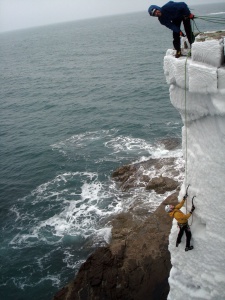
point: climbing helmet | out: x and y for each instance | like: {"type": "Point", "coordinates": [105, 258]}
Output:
{"type": "Point", "coordinates": [169, 208]}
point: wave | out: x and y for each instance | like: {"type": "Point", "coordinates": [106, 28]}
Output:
{"type": "Point", "coordinates": [110, 147]}
{"type": "Point", "coordinates": [57, 209]}
{"type": "Point", "coordinates": [218, 13]}
{"type": "Point", "coordinates": [70, 213]}
{"type": "Point", "coordinates": [77, 203]}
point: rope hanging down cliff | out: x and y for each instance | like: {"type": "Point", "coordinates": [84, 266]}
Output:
{"type": "Point", "coordinates": [185, 124]}
{"type": "Point", "coordinates": [212, 19]}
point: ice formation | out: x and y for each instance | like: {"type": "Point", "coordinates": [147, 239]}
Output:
{"type": "Point", "coordinates": [197, 90]}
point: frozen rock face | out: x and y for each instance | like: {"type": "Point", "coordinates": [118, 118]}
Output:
{"type": "Point", "coordinates": [197, 90]}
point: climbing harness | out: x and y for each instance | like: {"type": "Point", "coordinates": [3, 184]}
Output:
{"type": "Point", "coordinates": [180, 225]}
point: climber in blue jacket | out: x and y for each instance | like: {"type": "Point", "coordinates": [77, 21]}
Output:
{"type": "Point", "coordinates": [171, 15]}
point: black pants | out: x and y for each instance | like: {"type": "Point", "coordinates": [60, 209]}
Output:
{"type": "Point", "coordinates": [189, 33]}
{"type": "Point", "coordinates": [187, 230]}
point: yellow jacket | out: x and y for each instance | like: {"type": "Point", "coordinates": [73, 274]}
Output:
{"type": "Point", "coordinates": [178, 214]}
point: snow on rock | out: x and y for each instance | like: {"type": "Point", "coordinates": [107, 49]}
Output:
{"type": "Point", "coordinates": [197, 90]}
{"type": "Point", "coordinates": [174, 70]}
{"type": "Point", "coordinates": [221, 79]}
{"type": "Point", "coordinates": [202, 78]}
{"type": "Point", "coordinates": [209, 52]}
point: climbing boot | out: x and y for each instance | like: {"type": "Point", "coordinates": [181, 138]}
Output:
{"type": "Point", "coordinates": [178, 54]}
{"type": "Point", "coordinates": [189, 248]}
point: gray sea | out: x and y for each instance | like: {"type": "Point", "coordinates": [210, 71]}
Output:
{"type": "Point", "coordinates": [77, 100]}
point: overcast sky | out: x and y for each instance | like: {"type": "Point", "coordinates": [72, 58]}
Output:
{"type": "Point", "coordinates": [17, 14]}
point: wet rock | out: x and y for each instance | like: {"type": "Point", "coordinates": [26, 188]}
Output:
{"type": "Point", "coordinates": [162, 184]}
{"type": "Point", "coordinates": [135, 266]}
{"type": "Point", "coordinates": [135, 175]}
{"type": "Point", "coordinates": [201, 37]}
{"type": "Point", "coordinates": [171, 143]}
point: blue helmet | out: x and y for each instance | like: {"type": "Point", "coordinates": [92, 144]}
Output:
{"type": "Point", "coordinates": [152, 9]}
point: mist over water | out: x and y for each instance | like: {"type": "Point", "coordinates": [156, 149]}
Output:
{"type": "Point", "coordinates": [78, 100]}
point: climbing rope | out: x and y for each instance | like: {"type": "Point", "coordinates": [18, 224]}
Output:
{"type": "Point", "coordinates": [185, 120]}
{"type": "Point", "coordinates": [185, 110]}
{"type": "Point", "coordinates": [212, 19]}
{"type": "Point", "coordinates": [194, 24]}
{"type": "Point", "coordinates": [185, 124]}
{"type": "Point", "coordinates": [185, 116]}
{"type": "Point", "coordinates": [209, 18]}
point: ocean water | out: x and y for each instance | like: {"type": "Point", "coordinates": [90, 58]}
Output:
{"type": "Point", "coordinates": [77, 101]}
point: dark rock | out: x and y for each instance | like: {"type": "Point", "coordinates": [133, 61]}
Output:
{"type": "Point", "coordinates": [61, 294]}
{"type": "Point", "coordinates": [135, 266]}
{"type": "Point", "coordinates": [133, 176]}
{"type": "Point", "coordinates": [162, 184]}
{"type": "Point", "coordinates": [171, 143]}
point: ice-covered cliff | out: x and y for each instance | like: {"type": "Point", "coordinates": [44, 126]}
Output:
{"type": "Point", "coordinates": [197, 90]}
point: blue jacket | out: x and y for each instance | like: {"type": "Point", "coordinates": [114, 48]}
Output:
{"type": "Point", "coordinates": [171, 11]}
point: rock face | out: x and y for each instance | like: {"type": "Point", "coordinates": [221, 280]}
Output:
{"type": "Point", "coordinates": [134, 175]}
{"type": "Point", "coordinates": [136, 265]}
{"type": "Point", "coordinates": [161, 184]}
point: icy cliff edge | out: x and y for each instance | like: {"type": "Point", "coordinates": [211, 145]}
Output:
{"type": "Point", "coordinates": [197, 91]}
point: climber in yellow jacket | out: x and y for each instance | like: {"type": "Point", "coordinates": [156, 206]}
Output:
{"type": "Point", "coordinates": [182, 222]}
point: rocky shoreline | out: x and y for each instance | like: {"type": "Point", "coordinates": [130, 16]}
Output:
{"type": "Point", "coordinates": [136, 263]}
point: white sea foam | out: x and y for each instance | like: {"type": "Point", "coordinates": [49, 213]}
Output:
{"type": "Point", "coordinates": [71, 261]}
{"type": "Point", "coordinates": [80, 209]}
{"type": "Point", "coordinates": [79, 214]}
{"type": "Point", "coordinates": [74, 207]}
{"type": "Point", "coordinates": [119, 144]}
{"type": "Point", "coordinates": [218, 13]}
{"type": "Point", "coordinates": [128, 144]}
{"type": "Point", "coordinates": [80, 141]}
{"type": "Point", "coordinates": [55, 279]}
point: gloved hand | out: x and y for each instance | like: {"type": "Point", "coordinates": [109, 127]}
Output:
{"type": "Point", "coordinates": [191, 16]}
{"type": "Point", "coordinates": [193, 208]}
{"type": "Point", "coordinates": [181, 33]}
{"type": "Point", "coordinates": [185, 196]}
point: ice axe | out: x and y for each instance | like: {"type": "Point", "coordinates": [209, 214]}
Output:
{"type": "Point", "coordinates": [192, 201]}
{"type": "Point", "coordinates": [187, 190]}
